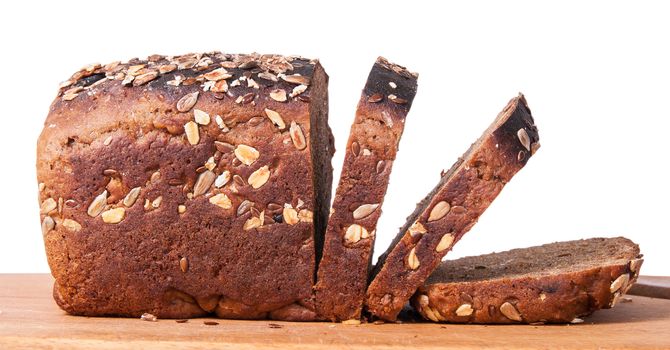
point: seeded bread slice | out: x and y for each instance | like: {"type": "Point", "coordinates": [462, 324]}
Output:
{"type": "Point", "coordinates": [187, 185]}
{"type": "Point", "coordinates": [371, 150]}
{"type": "Point", "coordinates": [452, 208]}
{"type": "Point", "coordinates": [551, 283]}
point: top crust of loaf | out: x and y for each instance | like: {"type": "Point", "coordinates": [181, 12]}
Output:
{"type": "Point", "coordinates": [246, 79]}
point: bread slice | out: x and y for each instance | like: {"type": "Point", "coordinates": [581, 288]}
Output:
{"type": "Point", "coordinates": [452, 208]}
{"type": "Point", "coordinates": [187, 185]}
{"type": "Point", "coordinates": [371, 150]}
{"type": "Point", "coordinates": [551, 283]}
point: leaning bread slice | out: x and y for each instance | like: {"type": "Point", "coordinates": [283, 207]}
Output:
{"type": "Point", "coordinates": [452, 208]}
{"type": "Point", "coordinates": [371, 150]}
{"type": "Point", "coordinates": [551, 283]}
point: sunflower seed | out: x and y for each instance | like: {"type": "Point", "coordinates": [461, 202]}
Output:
{"type": "Point", "coordinates": [221, 200]}
{"type": "Point", "coordinates": [246, 154]}
{"type": "Point", "coordinates": [48, 205]}
{"type": "Point", "coordinates": [244, 207]}
{"type": "Point", "coordinates": [41, 186]}
{"type": "Point", "coordinates": [295, 79]}
{"type": "Point", "coordinates": [278, 95]}
{"type": "Point", "coordinates": [464, 310]}
{"type": "Point", "coordinates": [107, 141]}
{"type": "Point", "coordinates": [297, 136]}
{"type": "Point", "coordinates": [355, 148]}
{"type": "Point", "coordinates": [523, 138]}
{"type": "Point", "coordinates": [267, 76]}
{"type": "Point", "coordinates": [145, 78]}
{"type": "Point", "coordinates": [201, 117]}
{"type": "Point", "coordinates": [445, 242]}
{"type": "Point", "coordinates": [364, 210]}
{"type": "Point", "coordinates": [217, 74]}
{"type": "Point", "coordinates": [181, 209]}
{"type": "Point", "coordinates": [381, 165]}
{"type": "Point", "coordinates": [222, 179]}
{"type": "Point", "coordinates": [290, 216]}
{"type": "Point", "coordinates": [375, 98]}
{"type": "Point", "coordinates": [259, 177]}
{"type": "Point", "coordinates": [192, 133]}
{"type": "Point", "coordinates": [238, 180]}
{"type": "Point", "coordinates": [223, 147]}
{"type": "Point", "coordinates": [275, 118]}
{"type": "Point", "coordinates": [413, 260]}
{"type": "Point", "coordinates": [397, 100]}
{"type": "Point", "coordinates": [187, 102]}
{"type": "Point", "coordinates": [393, 85]}
{"type": "Point", "coordinates": [619, 282]}
{"type": "Point", "coordinates": [354, 233]}
{"type": "Point", "coordinates": [203, 183]}
{"type": "Point", "coordinates": [166, 68]}
{"type": "Point", "coordinates": [247, 98]}
{"type": "Point", "coordinates": [48, 224]}
{"type": "Point", "coordinates": [71, 225]}
{"type": "Point", "coordinates": [509, 311]}
{"type": "Point", "coordinates": [183, 264]}
{"type": "Point", "coordinates": [439, 211]}
{"type": "Point", "coordinates": [386, 117]}
{"type": "Point", "coordinates": [113, 216]}
{"type": "Point", "coordinates": [298, 90]}
{"type": "Point", "coordinates": [416, 229]}
{"type": "Point", "coordinates": [131, 197]}
{"type": "Point", "coordinates": [98, 204]}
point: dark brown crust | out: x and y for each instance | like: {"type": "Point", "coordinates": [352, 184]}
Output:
{"type": "Point", "coordinates": [549, 298]}
{"type": "Point", "coordinates": [371, 150]}
{"type": "Point", "coordinates": [133, 267]}
{"type": "Point", "coordinates": [469, 187]}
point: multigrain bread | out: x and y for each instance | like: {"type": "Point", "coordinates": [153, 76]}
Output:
{"type": "Point", "coordinates": [371, 150]}
{"type": "Point", "coordinates": [551, 283]}
{"type": "Point", "coordinates": [187, 185]}
{"type": "Point", "coordinates": [452, 208]}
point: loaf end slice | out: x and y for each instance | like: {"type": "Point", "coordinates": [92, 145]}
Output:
{"type": "Point", "coordinates": [371, 150]}
{"type": "Point", "coordinates": [552, 283]}
{"type": "Point", "coordinates": [187, 185]}
{"type": "Point", "coordinates": [452, 208]}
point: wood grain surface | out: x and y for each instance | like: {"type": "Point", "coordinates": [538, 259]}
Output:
{"type": "Point", "coordinates": [30, 319]}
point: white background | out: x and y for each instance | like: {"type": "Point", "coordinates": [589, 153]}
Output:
{"type": "Point", "coordinates": [596, 76]}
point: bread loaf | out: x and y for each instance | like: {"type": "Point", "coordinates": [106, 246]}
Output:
{"type": "Point", "coordinates": [371, 150]}
{"type": "Point", "coordinates": [551, 283]}
{"type": "Point", "coordinates": [452, 208]}
{"type": "Point", "coordinates": [187, 185]}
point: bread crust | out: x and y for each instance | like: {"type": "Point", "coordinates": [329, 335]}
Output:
{"type": "Point", "coordinates": [452, 208]}
{"type": "Point", "coordinates": [548, 298]}
{"type": "Point", "coordinates": [180, 249]}
{"type": "Point", "coordinates": [371, 150]}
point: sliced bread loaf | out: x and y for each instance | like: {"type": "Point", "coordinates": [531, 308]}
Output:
{"type": "Point", "coordinates": [551, 283]}
{"type": "Point", "coordinates": [452, 208]}
{"type": "Point", "coordinates": [371, 150]}
{"type": "Point", "coordinates": [187, 185]}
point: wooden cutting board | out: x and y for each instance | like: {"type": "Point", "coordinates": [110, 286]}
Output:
{"type": "Point", "coordinates": [30, 319]}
